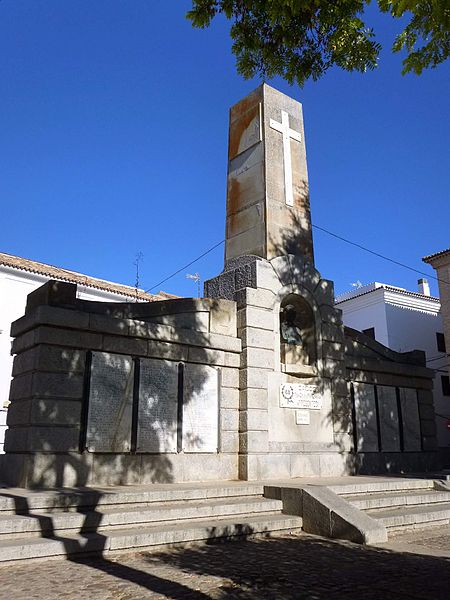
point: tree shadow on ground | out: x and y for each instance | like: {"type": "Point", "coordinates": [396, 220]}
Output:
{"type": "Point", "coordinates": [286, 567]}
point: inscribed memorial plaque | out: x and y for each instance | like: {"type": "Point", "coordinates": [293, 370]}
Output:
{"type": "Point", "coordinates": [366, 418]}
{"type": "Point", "coordinates": [300, 395]}
{"type": "Point", "coordinates": [302, 417]}
{"type": "Point", "coordinates": [110, 403]}
{"type": "Point", "coordinates": [410, 419]}
{"type": "Point", "coordinates": [200, 409]}
{"type": "Point", "coordinates": [388, 414]}
{"type": "Point", "coordinates": [158, 406]}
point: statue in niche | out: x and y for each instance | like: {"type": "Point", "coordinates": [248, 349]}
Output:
{"type": "Point", "coordinates": [290, 332]}
{"type": "Point", "coordinates": [297, 332]}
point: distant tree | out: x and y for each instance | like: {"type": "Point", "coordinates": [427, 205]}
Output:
{"type": "Point", "coordinates": [302, 39]}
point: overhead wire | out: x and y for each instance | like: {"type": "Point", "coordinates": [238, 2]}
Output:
{"type": "Point", "coordinates": [185, 266]}
{"type": "Point", "coordinates": [335, 235]}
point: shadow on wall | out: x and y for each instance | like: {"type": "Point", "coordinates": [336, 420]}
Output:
{"type": "Point", "coordinates": [128, 337]}
{"type": "Point", "coordinates": [331, 339]}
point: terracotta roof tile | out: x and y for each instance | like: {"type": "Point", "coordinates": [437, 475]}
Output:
{"type": "Point", "coordinates": [430, 257]}
{"type": "Point", "coordinates": [32, 266]}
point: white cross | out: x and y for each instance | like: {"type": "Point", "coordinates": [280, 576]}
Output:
{"type": "Point", "coordinates": [288, 133]}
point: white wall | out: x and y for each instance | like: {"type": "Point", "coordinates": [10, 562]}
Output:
{"type": "Point", "coordinates": [15, 285]}
{"type": "Point", "coordinates": [367, 311]}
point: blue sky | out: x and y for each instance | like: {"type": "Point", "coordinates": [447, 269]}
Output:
{"type": "Point", "coordinates": [113, 141]}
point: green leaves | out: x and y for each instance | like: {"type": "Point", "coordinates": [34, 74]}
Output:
{"type": "Point", "coordinates": [299, 39]}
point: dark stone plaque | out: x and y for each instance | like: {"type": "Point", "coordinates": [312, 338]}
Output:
{"type": "Point", "coordinates": [366, 418]}
{"type": "Point", "coordinates": [158, 402]}
{"type": "Point", "coordinates": [388, 412]}
{"type": "Point", "coordinates": [411, 420]}
{"type": "Point", "coordinates": [110, 403]}
{"type": "Point", "coordinates": [200, 409]}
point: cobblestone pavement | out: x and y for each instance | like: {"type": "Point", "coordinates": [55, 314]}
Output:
{"type": "Point", "coordinates": [281, 567]}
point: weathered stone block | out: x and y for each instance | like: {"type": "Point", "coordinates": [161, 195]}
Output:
{"type": "Point", "coordinates": [257, 338]}
{"type": "Point", "coordinates": [229, 441]}
{"type": "Point", "coordinates": [253, 420]}
{"type": "Point", "coordinates": [42, 439]}
{"type": "Point", "coordinates": [258, 357]}
{"type": "Point", "coordinates": [266, 277]}
{"type": "Point", "coordinates": [229, 397]}
{"type": "Point", "coordinates": [205, 356]}
{"type": "Point", "coordinates": [68, 338]}
{"type": "Point", "coordinates": [23, 342]}
{"type": "Point", "coordinates": [255, 297]}
{"type": "Point", "coordinates": [21, 387]}
{"type": "Point", "coordinates": [331, 315]}
{"type": "Point", "coordinates": [222, 318]}
{"type": "Point", "coordinates": [229, 419]}
{"type": "Point", "coordinates": [115, 469]}
{"type": "Point", "coordinates": [232, 360]}
{"type": "Point", "coordinates": [53, 293]}
{"type": "Point", "coordinates": [255, 317]}
{"type": "Point", "coordinates": [324, 293]}
{"type": "Point", "coordinates": [123, 345]}
{"type": "Point", "coordinates": [57, 385]}
{"type": "Point", "coordinates": [229, 377]}
{"type": "Point", "coordinates": [106, 324]}
{"type": "Point", "coordinates": [253, 378]}
{"type": "Point", "coordinates": [253, 398]}
{"type": "Point", "coordinates": [333, 368]}
{"type": "Point", "coordinates": [333, 350]}
{"type": "Point", "coordinates": [45, 411]}
{"type": "Point", "coordinates": [19, 413]}
{"type": "Point", "coordinates": [49, 358]}
{"type": "Point", "coordinates": [253, 441]}
{"type": "Point", "coordinates": [332, 333]}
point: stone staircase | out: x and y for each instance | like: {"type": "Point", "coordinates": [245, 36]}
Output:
{"type": "Point", "coordinates": [400, 504]}
{"type": "Point", "coordinates": [85, 522]}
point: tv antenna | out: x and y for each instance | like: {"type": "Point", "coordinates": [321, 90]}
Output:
{"type": "Point", "coordinates": [195, 277]}
{"type": "Point", "coordinates": [139, 258]}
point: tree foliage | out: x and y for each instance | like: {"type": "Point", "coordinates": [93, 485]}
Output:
{"type": "Point", "coordinates": [302, 39]}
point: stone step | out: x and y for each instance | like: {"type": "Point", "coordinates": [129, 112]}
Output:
{"type": "Point", "coordinates": [413, 516]}
{"type": "Point", "coordinates": [381, 486]}
{"type": "Point", "coordinates": [41, 523]}
{"type": "Point", "coordinates": [21, 501]}
{"type": "Point", "coordinates": [398, 498]}
{"type": "Point", "coordinates": [142, 537]}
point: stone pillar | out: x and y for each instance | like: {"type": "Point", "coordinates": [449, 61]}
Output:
{"type": "Point", "coordinates": [256, 330]}
{"type": "Point", "coordinates": [268, 211]}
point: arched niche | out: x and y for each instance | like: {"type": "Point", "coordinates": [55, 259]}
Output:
{"type": "Point", "coordinates": [298, 339]}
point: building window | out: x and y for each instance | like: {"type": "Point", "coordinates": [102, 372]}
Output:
{"type": "Point", "coordinates": [369, 332]}
{"type": "Point", "coordinates": [445, 382]}
{"type": "Point", "coordinates": [440, 339]}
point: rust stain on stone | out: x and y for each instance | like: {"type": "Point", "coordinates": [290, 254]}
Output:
{"type": "Point", "coordinates": [240, 126]}
{"type": "Point", "coordinates": [233, 204]}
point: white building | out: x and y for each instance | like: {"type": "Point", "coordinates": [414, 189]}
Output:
{"type": "Point", "coordinates": [19, 277]}
{"type": "Point", "coordinates": [404, 321]}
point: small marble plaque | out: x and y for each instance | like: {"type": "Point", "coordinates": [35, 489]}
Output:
{"type": "Point", "coordinates": [300, 395]}
{"type": "Point", "coordinates": [158, 406]}
{"type": "Point", "coordinates": [388, 416]}
{"type": "Point", "coordinates": [110, 403]}
{"type": "Point", "coordinates": [200, 409]}
{"type": "Point", "coordinates": [366, 418]}
{"type": "Point", "coordinates": [302, 417]}
{"type": "Point", "coordinates": [410, 420]}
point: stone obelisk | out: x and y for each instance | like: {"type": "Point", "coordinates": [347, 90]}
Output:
{"type": "Point", "coordinates": [268, 213]}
